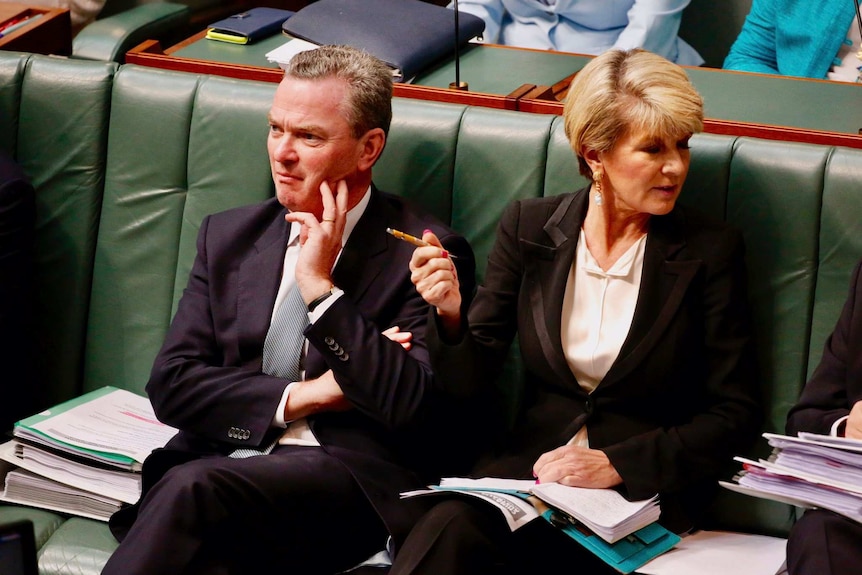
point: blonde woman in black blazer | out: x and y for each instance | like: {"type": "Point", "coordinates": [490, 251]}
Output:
{"type": "Point", "coordinates": [632, 318]}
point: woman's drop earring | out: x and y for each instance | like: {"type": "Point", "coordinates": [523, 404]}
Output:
{"type": "Point", "coordinates": [597, 180]}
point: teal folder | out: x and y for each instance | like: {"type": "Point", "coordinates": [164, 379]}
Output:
{"type": "Point", "coordinates": [104, 456]}
{"type": "Point", "coordinates": [625, 555]}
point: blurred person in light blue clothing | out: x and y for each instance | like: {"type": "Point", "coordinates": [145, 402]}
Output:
{"type": "Point", "coordinates": [586, 26]}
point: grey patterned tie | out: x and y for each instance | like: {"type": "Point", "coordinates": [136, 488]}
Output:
{"type": "Point", "coordinates": [282, 350]}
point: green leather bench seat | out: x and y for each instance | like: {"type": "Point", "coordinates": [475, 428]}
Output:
{"type": "Point", "coordinates": [111, 36]}
{"type": "Point", "coordinates": [127, 160]}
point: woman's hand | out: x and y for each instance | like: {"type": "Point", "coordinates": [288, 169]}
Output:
{"type": "Point", "coordinates": [436, 280]}
{"type": "Point", "coordinates": [576, 467]}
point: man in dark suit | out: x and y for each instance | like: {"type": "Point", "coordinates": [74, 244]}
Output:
{"type": "Point", "coordinates": [346, 430]}
{"type": "Point", "coordinates": [822, 542]}
{"type": "Point", "coordinates": [17, 220]}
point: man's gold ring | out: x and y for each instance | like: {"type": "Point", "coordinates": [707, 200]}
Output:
{"type": "Point", "coordinates": [328, 220]}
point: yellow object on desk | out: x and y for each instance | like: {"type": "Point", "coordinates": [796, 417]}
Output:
{"type": "Point", "coordinates": [225, 37]}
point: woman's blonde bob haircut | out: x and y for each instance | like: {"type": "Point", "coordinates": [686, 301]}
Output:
{"type": "Point", "coordinates": [632, 90]}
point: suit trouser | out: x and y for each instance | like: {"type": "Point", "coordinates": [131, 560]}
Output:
{"type": "Point", "coordinates": [297, 509]}
{"type": "Point", "coordinates": [824, 543]}
{"type": "Point", "coordinates": [470, 537]}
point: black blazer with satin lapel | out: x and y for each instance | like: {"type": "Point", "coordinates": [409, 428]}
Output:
{"type": "Point", "coordinates": [679, 400]}
{"type": "Point", "coordinates": [836, 384]}
{"type": "Point", "coordinates": [207, 377]}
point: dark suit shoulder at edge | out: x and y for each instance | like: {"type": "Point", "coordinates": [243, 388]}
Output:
{"type": "Point", "coordinates": [408, 210]}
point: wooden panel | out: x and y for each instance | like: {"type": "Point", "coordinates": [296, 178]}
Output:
{"type": "Point", "coordinates": [759, 105]}
{"type": "Point", "coordinates": [50, 32]}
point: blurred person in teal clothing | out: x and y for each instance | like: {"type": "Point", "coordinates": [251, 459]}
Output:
{"type": "Point", "coordinates": [586, 26]}
{"type": "Point", "coordinates": [799, 38]}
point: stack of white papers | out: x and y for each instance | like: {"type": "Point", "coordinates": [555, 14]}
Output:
{"type": "Point", "coordinates": [607, 513]}
{"type": "Point", "coordinates": [26, 488]}
{"type": "Point", "coordinates": [285, 53]}
{"type": "Point", "coordinates": [118, 485]}
{"type": "Point", "coordinates": [82, 457]}
{"type": "Point", "coordinates": [807, 471]}
{"type": "Point", "coordinates": [604, 511]}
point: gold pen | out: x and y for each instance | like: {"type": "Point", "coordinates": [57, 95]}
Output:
{"type": "Point", "coordinates": [411, 239]}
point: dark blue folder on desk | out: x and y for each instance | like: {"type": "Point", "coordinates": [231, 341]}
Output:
{"type": "Point", "coordinates": [408, 35]}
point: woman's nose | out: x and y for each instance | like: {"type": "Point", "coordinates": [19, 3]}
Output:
{"type": "Point", "coordinates": [675, 162]}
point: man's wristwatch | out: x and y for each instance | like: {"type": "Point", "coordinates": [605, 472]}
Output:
{"type": "Point", "coordinates": [320, 299]}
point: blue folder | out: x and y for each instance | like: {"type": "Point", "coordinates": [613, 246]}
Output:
{"type": "Point", "coordinates": [625, 555]}
{"type": "Point", "coordinates": [408, 35]}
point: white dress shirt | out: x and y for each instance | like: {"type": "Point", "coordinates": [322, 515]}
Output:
{"type": "Point", "coordinates": [598, 308]}
{"type": "Point", "coordinates": [845, 68]}
{"type": "Point", "coordinates": [297, 431]}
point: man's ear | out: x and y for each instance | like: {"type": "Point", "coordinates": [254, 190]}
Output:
{"type": "Point", "coordinates": [372, 143]}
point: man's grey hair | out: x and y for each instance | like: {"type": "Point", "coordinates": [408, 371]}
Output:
{"type": "Point", "coordinates": [369, 83]}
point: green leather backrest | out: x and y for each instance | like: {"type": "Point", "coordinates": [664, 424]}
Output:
{"type": "Point", "coordinates": [707, 185]}
{"type": "Point", "coordinates": [181, 146]}
{"type": "Point", "coordinates": [772, 192]}
{"type": "Point", "coordinates": [54, 122]}
{"type": "Point", "coordinates": [501, 157]}
{"type": "Point", "coordinates": [840, 244]}
{"type": "Point", "coordinates": [145, 192]}
{"type": "Point", "coordinates": [561, 171]}
{"type": "Point", "coordinates": [418, 161]}
{"type": "Point", "coordinates": [778, 212]}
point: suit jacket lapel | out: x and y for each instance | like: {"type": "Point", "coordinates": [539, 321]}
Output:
{"type": "Point", "coordinates": [664, 280]}
{"type": "Point", "coordinates": [260, 272]}
{"type": "Point", "coordinates": [551, 266]}
{"type": "Point", "coordinates": [363, 256]}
